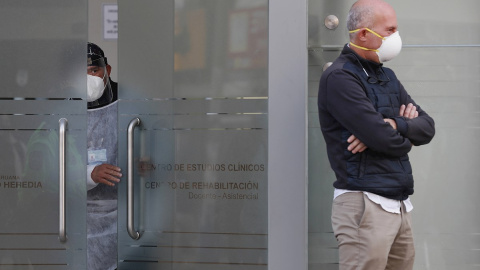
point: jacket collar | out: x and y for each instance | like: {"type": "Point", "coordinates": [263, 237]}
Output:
{"type": "Point", "coordinates": [370, 66]}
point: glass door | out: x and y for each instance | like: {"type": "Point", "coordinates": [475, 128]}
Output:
{"type": "Point", "coordinates": [193, 134]}
{"type": "Point", "coordinates": [42, 131]}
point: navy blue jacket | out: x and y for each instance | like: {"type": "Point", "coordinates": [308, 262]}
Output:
{"type": "Point", "coordinates": [352, 102]}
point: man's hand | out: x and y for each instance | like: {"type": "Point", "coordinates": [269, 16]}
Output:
{"type": "Point", "coordinates": [106, 174]}
{"type": "Point", "coordinates": [408, 111]}
{"type": "Point", "coordinates": [355, 146]}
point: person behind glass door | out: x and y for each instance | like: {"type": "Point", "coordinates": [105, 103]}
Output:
{"type": "Point", "coordinates": [370, 124]}
{"type": "Point", "coordinates": [102, 171]}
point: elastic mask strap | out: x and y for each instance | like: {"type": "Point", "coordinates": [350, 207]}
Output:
{"type": "Point", "coordinates": [363, 48]}
{"type": "Point", "coordinates": [369, 30]}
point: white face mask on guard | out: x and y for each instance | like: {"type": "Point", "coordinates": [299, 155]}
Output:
{"type": "Point", "coordinates": [95, 88]}
{"type": "Point", "coordinates": [390, 48]}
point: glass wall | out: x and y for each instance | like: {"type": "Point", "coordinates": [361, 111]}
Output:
{"type": "Point", "coordinates": [439, 67]}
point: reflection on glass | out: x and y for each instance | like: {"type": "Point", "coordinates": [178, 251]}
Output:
{"type": "Point", "coordinates": [224, 54]}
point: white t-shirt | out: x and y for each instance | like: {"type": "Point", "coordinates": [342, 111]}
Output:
{"type": "Point", "coordinates": [389, 205]}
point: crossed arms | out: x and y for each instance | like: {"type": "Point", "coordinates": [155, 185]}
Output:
{"type": "Point", "coordinates": [409, 111]}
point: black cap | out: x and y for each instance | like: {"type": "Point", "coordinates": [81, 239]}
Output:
{"type": "Point", "coordinates": [95, 53]}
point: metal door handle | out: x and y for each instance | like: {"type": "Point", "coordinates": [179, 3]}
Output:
{"type": "Point", "coordinates": [62, 234]}
{"type": "Point", "coordinates": [130, 213]}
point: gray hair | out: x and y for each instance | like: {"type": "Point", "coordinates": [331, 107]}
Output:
{"type": "Point", "coordinates": [360, 16]}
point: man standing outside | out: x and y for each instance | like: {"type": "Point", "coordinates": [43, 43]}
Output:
{"type": "Point", "coordinates": [102, 172]}
{"type": "Point", "coordinates": [370, 124]}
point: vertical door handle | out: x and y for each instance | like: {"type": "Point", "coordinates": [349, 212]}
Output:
{"type": "Point", "coordinates": [62, 233]}
{"type": "Point", "coordinates": [130, 212]}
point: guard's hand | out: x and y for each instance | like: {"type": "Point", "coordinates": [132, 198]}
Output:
{"type": "Point", "coordinates": [106, 174]}
{"type": "Point", "coordinates": [408, 111]}
{"type": "Point", "coordinates": [355, 146]}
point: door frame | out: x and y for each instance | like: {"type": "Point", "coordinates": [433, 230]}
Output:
{"type": "Point", "coordinates": [287, 139]}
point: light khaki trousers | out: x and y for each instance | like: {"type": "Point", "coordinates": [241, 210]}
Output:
{"type": "Point", "coordinates": [370, 238]}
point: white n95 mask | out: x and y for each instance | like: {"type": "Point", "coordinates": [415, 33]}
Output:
{"type": "Point", "coordinates": [390, 48]}
{"type": "Point", "coordinates": [95, 88]}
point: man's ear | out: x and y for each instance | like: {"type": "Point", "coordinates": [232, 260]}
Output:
{"type": "Point", "coordinates": [109, 69]}
{"type": "Point", "coordinates": [362, 34]}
